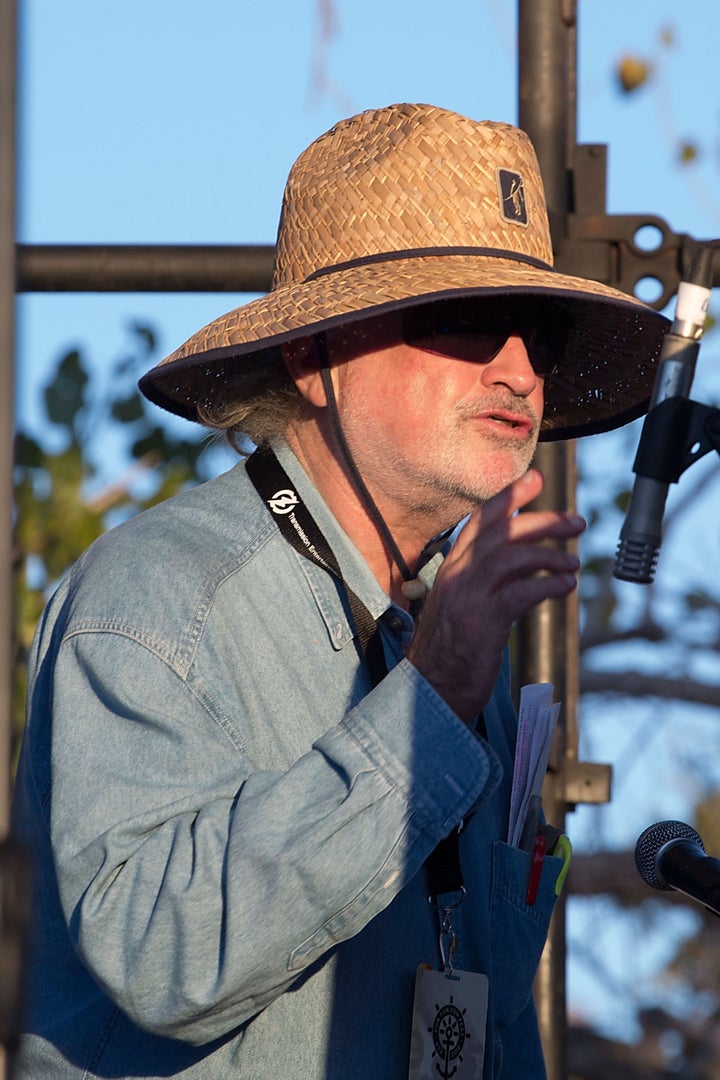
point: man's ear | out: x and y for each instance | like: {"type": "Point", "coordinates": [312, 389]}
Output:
{"type": "Point", "coordinates": [302, 360]}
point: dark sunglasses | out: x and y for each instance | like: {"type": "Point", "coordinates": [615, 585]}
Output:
{"type": "Point", "coordinates": [477, 332]}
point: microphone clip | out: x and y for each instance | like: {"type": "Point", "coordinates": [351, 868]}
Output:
{"type": "Point", "coordinates": [676, 433]}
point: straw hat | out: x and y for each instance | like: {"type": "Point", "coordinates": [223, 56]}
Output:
{"type": "Point", "coordinates": [406, 204]}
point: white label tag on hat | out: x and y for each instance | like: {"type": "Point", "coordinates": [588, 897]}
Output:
{"type": "Point", "coordinates": [448, 1027]}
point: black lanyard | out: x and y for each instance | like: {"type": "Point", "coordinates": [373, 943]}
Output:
{"type": "Point", "coordinates": [302, 532]}
{"type": "Point", "coordinates": [299, 528]}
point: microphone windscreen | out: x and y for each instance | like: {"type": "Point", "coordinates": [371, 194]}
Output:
{"type": "Point", "coordinates": [652, 841]}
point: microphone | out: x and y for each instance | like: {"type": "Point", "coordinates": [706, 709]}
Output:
{"type": "Point", "coordinates": [657, 454]}
{"type": "Point", "coordinates": [671, 855]}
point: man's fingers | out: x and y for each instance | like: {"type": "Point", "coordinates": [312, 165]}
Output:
{"type": "Point", "coordinates": [524, 594]}
{"type": "Point", "coordinates": [512, 563]}
{"type": "Point", "coordinates": [522, 560]}
{"type": "Point", "coordinates": [501, 565]}
{"type": "Point", "coordinates": [534, 525]}
{"type": "Point", "coordinates": [503, 505]}
{"type": "Point", "coordinates": [482, 541]}
{"type": "Point", "coordinates": [498, 522]}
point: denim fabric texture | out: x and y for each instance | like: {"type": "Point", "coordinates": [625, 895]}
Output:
{"type": "Point", "coordinates": [228, 824]}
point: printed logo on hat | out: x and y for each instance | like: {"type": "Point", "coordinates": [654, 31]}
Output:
{"type": "Point", "coordinates": [512, 196]}
{"type": "Point", "coordinates": [283, 501]}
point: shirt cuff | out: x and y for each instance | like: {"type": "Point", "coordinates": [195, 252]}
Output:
{"type": "Point", "coordinates": [412, 735]}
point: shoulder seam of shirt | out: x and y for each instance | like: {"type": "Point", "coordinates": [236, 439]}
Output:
{"type": "Point", "coordinates": [208, 705]}
{"type": "Point", "coordinates": [181, 658]}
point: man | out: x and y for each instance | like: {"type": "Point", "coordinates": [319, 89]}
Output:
{"type": "Point", "coordinates": [270, 718]}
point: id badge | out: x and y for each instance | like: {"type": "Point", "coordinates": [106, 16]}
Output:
{"type": "Point", "coordinates": [448, 1026]}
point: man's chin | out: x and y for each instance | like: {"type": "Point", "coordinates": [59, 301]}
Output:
{"type": "Point", "coordinates": [497, 471]}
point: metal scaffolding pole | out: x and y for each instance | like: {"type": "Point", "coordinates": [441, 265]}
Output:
{"type": "Point", "coordinates": [8, 34]}
{"type": "Point", "coordinates": [548, 637]}
{"type": "Point", "coordinates": [144, 267]}
{"type": "Point", "coordinates": [10, 945]}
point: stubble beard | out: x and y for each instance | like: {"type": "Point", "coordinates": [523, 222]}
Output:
{"type": "Point", "coordinates": [456, 488]}
{"type": "Point", "coordinates": [435, 487]}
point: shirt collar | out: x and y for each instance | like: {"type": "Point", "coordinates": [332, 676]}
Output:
{"type": "Point", "coordinates": [355, 570]}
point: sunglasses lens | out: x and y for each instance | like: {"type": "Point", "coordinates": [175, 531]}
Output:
{"type": "Point", "coordinates": [443, 330]}
{"type": "Point", "coordinates": [545, 348]}
{"type": "Point", "coordinates": [478, 334]}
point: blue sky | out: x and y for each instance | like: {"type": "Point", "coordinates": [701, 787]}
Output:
{"type": "Point", "coordinates": [171, 121]}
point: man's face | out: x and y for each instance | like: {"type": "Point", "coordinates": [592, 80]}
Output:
{"type": "Point", "coordinates": [435, 433]}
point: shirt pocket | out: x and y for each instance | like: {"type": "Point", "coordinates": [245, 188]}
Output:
{"type": "Point", "coordinates": [518, 929]}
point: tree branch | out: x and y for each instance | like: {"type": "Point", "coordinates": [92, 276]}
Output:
{"type": "Point", "coordinates": [613, 873]}
{"type": "Point", "coordinates": [603, 634]}
{"type": "Point", "coordinates": [636, 684]}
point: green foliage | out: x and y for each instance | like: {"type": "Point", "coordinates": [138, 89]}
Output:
{"type": "Point", "coordinates": [56, 514]}
{"type": "Point", "coordinates": [621, 500]}
{"type": "Point", "coordinates": [65, 400]}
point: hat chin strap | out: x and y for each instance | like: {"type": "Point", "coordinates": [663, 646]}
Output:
{"type": "Point", "coordinates": [412, 588]}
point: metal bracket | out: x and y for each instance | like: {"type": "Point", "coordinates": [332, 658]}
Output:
{"type": "Point", "coordinates": [585, 782]}
{"type": "Point", "coordinates": [620, 249]}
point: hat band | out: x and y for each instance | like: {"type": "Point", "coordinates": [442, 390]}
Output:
{"type": "Point", "coordinates": [422, 253]}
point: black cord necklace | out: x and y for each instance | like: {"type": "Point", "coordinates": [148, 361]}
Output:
{"type": "Point", "coordinates": [413, 588]}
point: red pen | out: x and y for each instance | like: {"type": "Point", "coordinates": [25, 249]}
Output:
{"type": "Point", "coordinates": [536, 868]}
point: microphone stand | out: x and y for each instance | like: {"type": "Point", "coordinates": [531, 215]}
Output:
{"type": "Point", "coordinates": [676, 432]}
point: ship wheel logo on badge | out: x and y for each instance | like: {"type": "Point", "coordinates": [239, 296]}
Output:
{"type": "Point", "coordinates": [449, 1035]}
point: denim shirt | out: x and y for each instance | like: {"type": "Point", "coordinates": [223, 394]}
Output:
{"type": "Point", "coordinates": [229, 824]}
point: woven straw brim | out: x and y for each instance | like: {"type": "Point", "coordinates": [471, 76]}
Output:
{"type": "Point", "coordinates": [604, 380]}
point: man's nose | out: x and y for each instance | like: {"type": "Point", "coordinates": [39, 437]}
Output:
{"type": "Point", "coordinates": [511, 367]}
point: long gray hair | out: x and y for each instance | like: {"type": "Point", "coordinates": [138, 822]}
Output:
{"type": "Point", "coordinates": [264, 404]}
